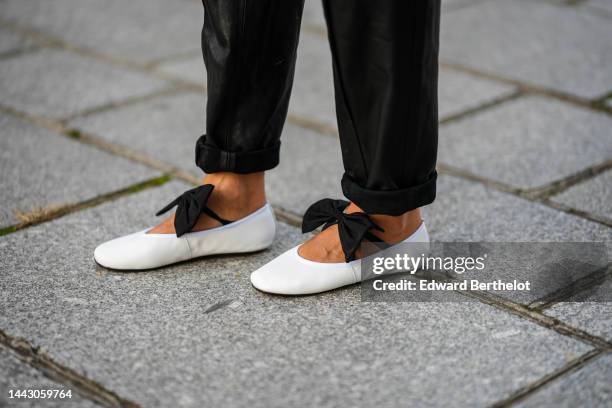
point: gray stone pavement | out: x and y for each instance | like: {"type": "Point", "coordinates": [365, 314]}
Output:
{"type": "Point", "coordinates": [588, 310]}
{"type": "Point", "coordinates": [11, 41]}
{"type": "Point", "coordinates": [97, 97]}
{"type": "Point", "coordinates": [518, 153]}
{"type": "Point", "coordinates": [570, 390]}
{"type": "Point", "coordinates": [66, 83]}
{"type": "Point", "coordinates": [539, 43]}
{"type": "Point", "coordinates": [15, 375]}
{"type": "Point", "coordinates": [42, 170]}
{"type": "Point", "coordinates": [590, 196]}
{"type": "Point", "coordinates": [141, 31]}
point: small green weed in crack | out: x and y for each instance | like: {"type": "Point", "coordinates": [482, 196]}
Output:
{"type": "Point", "coordinates": [73, 133]}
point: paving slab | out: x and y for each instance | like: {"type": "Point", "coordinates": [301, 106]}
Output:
{"type": "Point", "coordinates": [542, 44]}
{"type": "Point", "coordinates": [593, 317]}
{"type": "Point", "coordinates": [10, 41]}
{"type": "Point", "coordinates": [41, 169]}
{"type": "Point", "coordinates": [459, 92]}
{"type": "Point", "coordinates": [139, 30]}
{"type": "Point", "coordinates": [16, 375]}
{"type": "Point", "coordinates": [589, 310]}
{"type": "Point", "coordinates": [190, 69]}
{"type": "Point", "coordinates": [470, 212]}
{"type": "Point", "coordinates": [589, 386]}
{"type": "Point", "coordinates": [154, 341]}
{"type": "Point", "coordinates": [56, 83]}
{"type": "Point", "coordinates": [538, 142]}
{"type": "Point", "coordinates": [165, 128]}
{"type": "Point", "coordinates": [313, 13]}
{"type": "Point", "coordinates": [593, 195]}
{"type": "Point", "coordinates": [600, 5]}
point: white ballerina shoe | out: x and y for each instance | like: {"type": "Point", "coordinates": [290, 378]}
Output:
{"type": "Point", "coordinates": [140, 250]}
{"type": "Point", "coordinates": [290, 274]}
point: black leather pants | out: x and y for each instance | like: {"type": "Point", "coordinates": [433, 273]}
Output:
{"type": "Point", "coordinates": [385, 61]}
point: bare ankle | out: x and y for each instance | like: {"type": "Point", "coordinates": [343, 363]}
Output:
{"type": "Point", "coordinates": [236, 195]}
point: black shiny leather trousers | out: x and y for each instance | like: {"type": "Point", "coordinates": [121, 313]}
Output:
{"type": "Point", "coordinates": [385, 62]}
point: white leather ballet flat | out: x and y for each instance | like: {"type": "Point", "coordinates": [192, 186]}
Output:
{"type": "Point", "coordinates": [290, 274]}
{"type": "Point", "coordinates": [140, 250]}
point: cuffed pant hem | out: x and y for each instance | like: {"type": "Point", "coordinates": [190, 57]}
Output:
{"type": "Point", "coordinates": [212, 160]}
{"type": "Point", "coordinates": [391, 202]}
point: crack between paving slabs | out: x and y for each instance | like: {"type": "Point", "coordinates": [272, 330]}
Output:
{"type": "Point", "coordinates": [40, 360]}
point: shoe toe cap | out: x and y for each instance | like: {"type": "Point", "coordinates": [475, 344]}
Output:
{"type": "Point", "coordinates": [279, 276]}
{"type": "Point", "coordinates": [103, 255]}
{"type": "Point", "coordinates": [289, 274]}
{"type": "Point", "coordinates": [139, 251]}
{"type": "Point", "coordinates": [114, 254]}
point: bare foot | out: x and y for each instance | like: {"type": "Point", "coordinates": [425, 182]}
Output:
{"type": "Point", "coordinates": [235, 196]}
{"type": "Point", "coordinates": [325, 246]}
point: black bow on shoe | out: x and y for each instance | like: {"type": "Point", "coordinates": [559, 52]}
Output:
{"type": "Point", "coordinates": [352, 228]}
{"type": "Point", "coordinates": [189, 206]}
